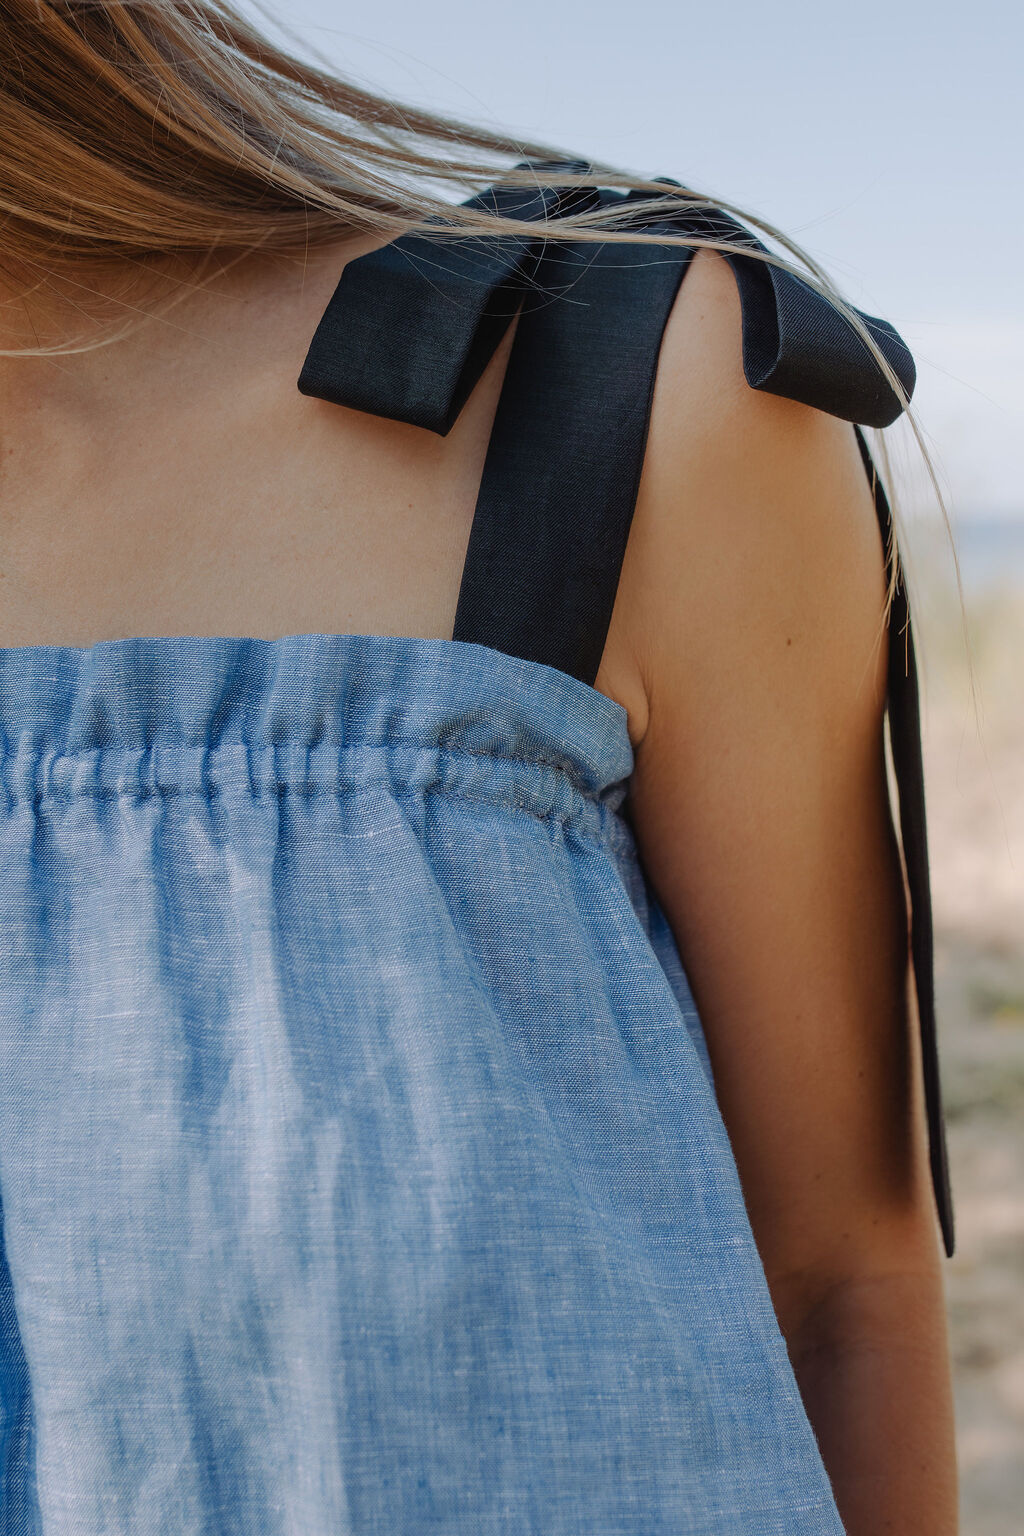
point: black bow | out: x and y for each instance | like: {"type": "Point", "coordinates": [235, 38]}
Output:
{"type": "Point", "coordinates": [412, 325]}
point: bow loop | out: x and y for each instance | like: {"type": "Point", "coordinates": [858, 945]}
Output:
{"type": "Point", "coordinates": [795, 342]}
{"type": "Point", "coordinates": [412, 325]}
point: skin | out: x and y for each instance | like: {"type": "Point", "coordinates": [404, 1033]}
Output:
{"type": "Point", "coordinates": [761, 812]}
{"type": "Point", "coordinates": [178, 483]}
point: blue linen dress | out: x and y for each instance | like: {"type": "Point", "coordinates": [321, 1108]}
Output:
{"type": "Point", "coordinates": [361, 1168]}
{"type": "Point", "coordinates": [360, 1163]}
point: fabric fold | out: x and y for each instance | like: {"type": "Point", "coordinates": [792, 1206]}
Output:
{"type": "Point", "coordinates": [412, 325]}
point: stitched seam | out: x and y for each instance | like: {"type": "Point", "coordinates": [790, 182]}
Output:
{"type": "Point", "coordinates": [6, 755]}
{"type": "Point", "coordinates": [608, 831]}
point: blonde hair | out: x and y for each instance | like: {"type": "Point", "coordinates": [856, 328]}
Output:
{"type": "Point", "coordinates": [140, 129]}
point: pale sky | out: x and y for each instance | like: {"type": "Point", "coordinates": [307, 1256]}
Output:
{"type": "Point", "coordinates": [886, 137]}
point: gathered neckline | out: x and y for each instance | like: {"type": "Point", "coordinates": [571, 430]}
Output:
{"type": "Point", "coordinates": [309, 692]}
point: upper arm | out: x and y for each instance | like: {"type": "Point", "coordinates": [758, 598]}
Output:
{"type": "Point", "coordinates": [759, 797]}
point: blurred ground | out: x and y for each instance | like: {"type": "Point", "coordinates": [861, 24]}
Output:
{"type": "Point", "coordinates": [975, 790]}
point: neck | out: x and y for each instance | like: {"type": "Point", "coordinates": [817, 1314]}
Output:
{"type": "Point", "coordinates": [165, 309]}
{"type": "Point", "coordinates": [57, 329]}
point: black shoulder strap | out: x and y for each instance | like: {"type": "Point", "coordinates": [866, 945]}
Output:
{"type": "Point", "coordinates": [563, 467]}
{"type": "Point", "coordinates": [408, 333]}
{"type": "Point", "coordinates": [905, 746]}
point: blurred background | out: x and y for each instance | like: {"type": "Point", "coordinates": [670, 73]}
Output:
{"type": "Point", "coordinates": [886, 138]}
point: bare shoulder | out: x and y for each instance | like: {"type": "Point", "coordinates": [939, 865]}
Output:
{"type": "Point", "coordinates": [755, 543]}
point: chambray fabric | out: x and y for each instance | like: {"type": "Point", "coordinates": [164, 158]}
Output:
{"type": "Point", "coordinates": [360, 1162]}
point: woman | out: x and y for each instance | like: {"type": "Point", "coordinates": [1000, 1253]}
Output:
{"type": "Point", "coordinates": [457, 1071]}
